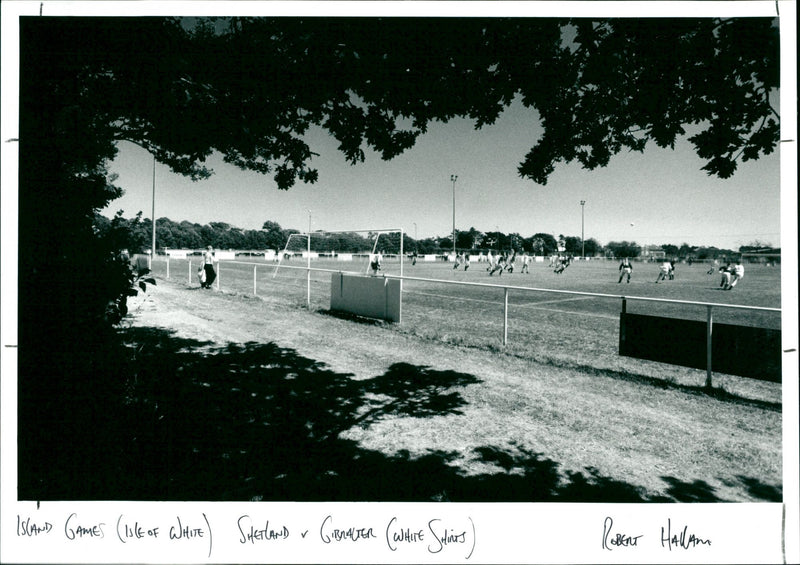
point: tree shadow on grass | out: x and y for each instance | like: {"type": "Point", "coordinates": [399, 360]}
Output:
{"type": "Point", "coordinates": [259, 422]}
{"type": "Point", "coordinates": [695, 491]}
{"type": "Point", "coordinates": [762, 491]}
{"type": "Point", "coordinates": [701, 491]}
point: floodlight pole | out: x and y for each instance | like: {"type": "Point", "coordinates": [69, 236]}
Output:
{"type": "Point", "coordinates": [454, 178]}
{"type": "Point", "coordinates": [583, 243]}
{"type": "Point", "coordinates": [153, 213]}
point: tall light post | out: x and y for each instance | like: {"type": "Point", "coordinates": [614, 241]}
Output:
{"type": "Point", "coordinates": [454, 178]}
{"type": "Point", "coordinates": [153, 240]}
{"type": "Point", "coordinates": [416, 245]}
{"type": "Point", "coordinates": [583, 243]}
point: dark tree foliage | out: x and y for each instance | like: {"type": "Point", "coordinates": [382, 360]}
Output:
{"type": "Point", "coordinates": [670, 249]}
{"type": "Point", "coordinates": [599, 87]}
{"type": "Point", "coordinates": [469, 239]}
{"type": "Point", "coordinates": [631, 81]}
{"type": "Point", "coordinates": [593, 247]}
{"type": "Point", "coordinates": [549, 243]}
{"type": "Point", "coordinates": [623, 248]}
{"type": "Point", "coordinates": [428, 246]}
{"type": "Point", "coordinates": [573, 245]}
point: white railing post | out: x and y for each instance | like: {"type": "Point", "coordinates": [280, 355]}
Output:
{"type": "Point", "coordinates": [167, 266]}
{"type": "Point", "coordinates": [709, 324]}
{"type": "Point", "coordinates": [308, 268]}
{"type": "Point", "coordinates": [190, 271]}
{"type": "Point", "coordinates": [254, 280]}
{"type": "Point", "coordinates": [505, 315]}
{"type": "Point", "coordinates": [402, 256]}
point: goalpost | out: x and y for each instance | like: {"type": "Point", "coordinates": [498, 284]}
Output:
{"type": "Point", "coordinates": [285, 251]}
{"type": "Point", "coordinates": [380, 241]}
{"type": "Point", "coordinates": [376, 251]}
{"type": "Point", "coordinates": [332, 250]}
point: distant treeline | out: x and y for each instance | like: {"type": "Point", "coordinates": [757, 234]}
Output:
{"type": "Point", "coordinates": [135, 235]}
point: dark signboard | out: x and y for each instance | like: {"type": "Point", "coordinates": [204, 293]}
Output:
{"type": "Point", "coordinates": [736, 350]}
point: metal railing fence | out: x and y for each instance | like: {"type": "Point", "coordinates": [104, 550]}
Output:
{"type": "Point", "coordinates": [709, 306]}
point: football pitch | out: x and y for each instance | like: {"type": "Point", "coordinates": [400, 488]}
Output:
{"type": "Point", "coordinates": [543, 324]}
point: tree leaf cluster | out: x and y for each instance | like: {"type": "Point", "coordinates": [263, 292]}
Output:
{"type": "Point", "coordinates": [250, 88]}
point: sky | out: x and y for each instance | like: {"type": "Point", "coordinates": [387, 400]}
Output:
{"type": "Point", "coordinates": [656, 197]}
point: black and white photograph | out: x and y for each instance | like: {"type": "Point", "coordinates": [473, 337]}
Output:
{"type": "Point", "coordinates": [399, 282]}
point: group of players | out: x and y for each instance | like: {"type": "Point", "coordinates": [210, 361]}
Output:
{"type": "Point", "coordinates": [731, 274]}
{"type": "Point", "coordinates": [506, 262]}
{"type": "Point", "coordinates": [497, 263]}
{"type": "Point", "coordinates": [502, 261]}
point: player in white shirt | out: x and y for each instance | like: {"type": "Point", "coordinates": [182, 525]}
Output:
{"type": "Point", "coordinates": [663, 271]}
{"type": "Point", "coordinates": [377, 259]}
{"type": "Point", "coordinates": [511, 261]}
{"type": "Point", "coordinates": [499, 265]}
{"type": "Point", "coordinates": [525, 262]}
{"type": "Point", "coordinates": [491, 260]}
{"type": "Point", "coordinates": [738, 273]}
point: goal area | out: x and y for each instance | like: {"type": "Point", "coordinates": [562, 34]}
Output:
{"type": "Point", "coordinates": [351, 251]}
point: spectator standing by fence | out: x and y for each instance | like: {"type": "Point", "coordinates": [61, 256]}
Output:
{"type": "Point", "coordinates": [208, 266]}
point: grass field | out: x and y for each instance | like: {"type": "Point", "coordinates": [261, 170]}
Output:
{"type": "Point", "coordinates": [565, 329]}
{"type": "Point", "coordinates": [234, 397]}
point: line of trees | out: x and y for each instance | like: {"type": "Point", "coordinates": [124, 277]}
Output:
{"type": "Point", "coordinates": [135, 235]}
